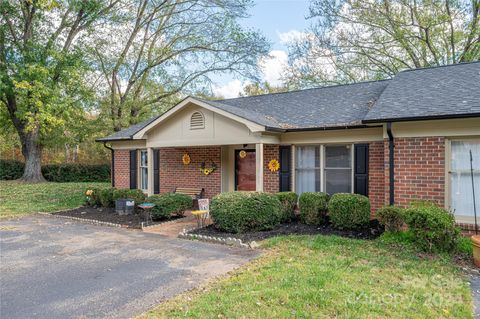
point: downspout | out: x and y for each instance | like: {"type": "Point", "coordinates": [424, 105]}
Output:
{"type": "Point", "coordinates": [113, 163]}
{"type": "Point", "coordinates": [391, 159]}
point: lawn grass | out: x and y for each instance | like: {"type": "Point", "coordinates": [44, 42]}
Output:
{"type": "Point", "coordinates": [331, 277]}
{"type": "Point", "coordinates": [17, 198]}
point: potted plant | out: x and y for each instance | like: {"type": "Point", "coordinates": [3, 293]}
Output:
{"type": "Point", "coordinates": [476, 249]}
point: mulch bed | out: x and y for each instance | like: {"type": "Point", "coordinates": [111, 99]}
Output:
{"type": "Point", "coordinates": [295, 228]}
{"type": "Point", "coordinates": [108, 215]}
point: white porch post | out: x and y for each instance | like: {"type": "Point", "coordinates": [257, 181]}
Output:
{"type": "Point", "coordinates": [259, 166]}
{"type": "Point", "coordinates": [150, 171]}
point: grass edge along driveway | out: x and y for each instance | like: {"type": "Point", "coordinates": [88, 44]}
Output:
{"type": "Point", "coordinates": [17, 198]}
{"type": "Point", "coordinates": [331, 277]}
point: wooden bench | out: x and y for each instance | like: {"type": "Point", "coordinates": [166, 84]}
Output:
{"type": "Point", "coordinates": [194, 193]}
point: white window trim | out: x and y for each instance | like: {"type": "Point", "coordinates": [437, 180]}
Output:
{"type": "Point", "coordinates": [140, 169]}
{"type": "Point", "coordinates": [448, 169]}
{"type": "Point", "coordinates": [322, 164]}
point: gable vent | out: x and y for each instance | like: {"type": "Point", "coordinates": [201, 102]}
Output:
{"type": "Point", "coordinates": [197, 121]}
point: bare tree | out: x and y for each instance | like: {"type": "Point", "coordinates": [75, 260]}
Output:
{"type": "Point", "coordinates": [356, 40]}
{"type": "Point", "coordinates": [168, 47]}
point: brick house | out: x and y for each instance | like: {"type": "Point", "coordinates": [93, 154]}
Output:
{"type": "Point", "coordinates": [395, 141]}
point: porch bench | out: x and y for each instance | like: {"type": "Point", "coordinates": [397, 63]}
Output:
{"type": "Point", "coordinates": [194, 193]}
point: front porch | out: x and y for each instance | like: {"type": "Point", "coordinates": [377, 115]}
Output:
{"type": "Point", "coordinates": [216, 169]}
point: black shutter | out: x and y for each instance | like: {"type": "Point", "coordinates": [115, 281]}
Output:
{"type": "Point", "coordinates": [156, 171]}
{"type": "Point", "coordinates": [361, 169]}
{"type": "Point", "coordinates": [112, 170]}
{"type": "Point", "coordinates": [133, 169]}
{"type": "Point", "coordinates": [285, 167]}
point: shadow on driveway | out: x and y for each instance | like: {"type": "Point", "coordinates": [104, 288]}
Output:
{"type": "Point", "coordinates": [53, 268]}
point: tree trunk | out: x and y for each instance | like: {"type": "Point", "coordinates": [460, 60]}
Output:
{"type": "Point", "coordinates": [32, 152]}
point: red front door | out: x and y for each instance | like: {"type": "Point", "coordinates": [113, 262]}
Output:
{"type": "Point", "coordinates": [245, 177]}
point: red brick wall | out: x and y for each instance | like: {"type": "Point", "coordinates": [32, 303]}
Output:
{"type": "Point", "coordinates": [173, 173]}
{"type": "Point", "coordinates": [271, 180]}
{"type": "Point", "coordinates": [122, 168]}
{"type": "Point", "coordinates": [376, 175]}
{"type": "Point", "coordinates": [419, 170]}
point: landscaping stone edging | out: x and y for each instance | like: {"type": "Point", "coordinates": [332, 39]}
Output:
{"type": "Point", "coordinates": [85, 220]}
{"type": "Point", "coordinates": [229, 241]}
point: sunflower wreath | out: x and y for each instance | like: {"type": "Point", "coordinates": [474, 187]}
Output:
{"type": "Point", "coordinates": [207, 170]}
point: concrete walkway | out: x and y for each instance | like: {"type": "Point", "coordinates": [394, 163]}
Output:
{"type": "Point", "coordinates": [54, 268]}
{"type": "Point", "coordinates": [172, 229]}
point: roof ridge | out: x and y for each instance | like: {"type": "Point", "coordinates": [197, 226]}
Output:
{"type": "Point", "coordinates": [438, 66]}
{"type": "Point", "coordinates": [302, 90]}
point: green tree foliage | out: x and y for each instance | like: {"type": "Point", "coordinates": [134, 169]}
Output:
{"type": "Point", "coordinates": [355, 40]}
{"type": "Point", "coordinates": [43, 85]}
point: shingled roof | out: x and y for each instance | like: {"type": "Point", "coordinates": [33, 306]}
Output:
{"type": "Point", "coordinates": [439, 92]}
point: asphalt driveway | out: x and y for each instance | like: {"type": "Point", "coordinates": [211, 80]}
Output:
{"type": "Point", "coordinates": [54, 268]}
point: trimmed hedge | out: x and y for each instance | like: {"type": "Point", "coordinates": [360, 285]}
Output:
{"type": "Point", "coordinates": [106, 197]}
{"type": "Point", "coordinates": [62, 173]}
{"type": "Point", "coordinates": [349, 211]}
{"type": "Point", "coordinates": [313, 208]}
{"type": "Point", "coordinates": [10, 169]}
{"type": "Point", "coordinates": [433, 227]}
{"type": "Point", "coordinates": [288, 201]}
{"type": "Point", "coordinates": [240, 212]}
{"type": "Point", "coordinates": [136, 194]}
{"type": "Point", "coordinates": [169, 204]}
{"type": "Point", "coordinates": [391, 217]}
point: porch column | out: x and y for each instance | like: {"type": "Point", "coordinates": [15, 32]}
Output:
{"type": "Point", "coordinates": [259, 166]}
{"type": "Point", "coordinates": [150, 171]}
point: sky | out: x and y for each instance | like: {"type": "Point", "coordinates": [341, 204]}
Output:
{"type": "Point", "coordinates": [278, 20]}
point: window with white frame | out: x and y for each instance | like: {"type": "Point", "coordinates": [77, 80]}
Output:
{"type": "Point", "coordinates": [461, 188]}
{"type": "Point", "coordinates": [307, 169]}
{"type": "Point", "coordinates": [143, 170]}
{"type": "Point", "coordinates": [323, 168]}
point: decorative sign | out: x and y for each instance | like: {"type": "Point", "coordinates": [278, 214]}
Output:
{"type": "Point", "coordinates": [242, 154]}
{"type": "Point", "coordinates": [186, 159]}
{"type": "Point", "coordinates": [273, 165]}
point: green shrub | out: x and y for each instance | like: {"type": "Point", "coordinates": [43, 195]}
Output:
{"type": "Point", "coordinates": [92, 195]}
{"type": "Point", "coordinates": [313, 208]}
{"type": "Point", "coordinates": [169, 204]}
{"type": "Point", "coordinates": [239, 212]}
{"type": "Point", "coordinates": [391, 217]}
{"type": "Point", "coordinates": [11, 169]}
{"type": "Point", "coordinates": [288, 201]}
{"type": "Point", "coordinates": [106, 197]}
{"type": "Point", "coordinates": [63, 173]}
{"type": "Point", "coordinates": [433, 227]}
{"type": "Point", "coordinates": [349, 211]}
{"type": "Point", "coordinates": [136, 194]}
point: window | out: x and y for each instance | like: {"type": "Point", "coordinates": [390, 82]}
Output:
{"type": "Point", "coordinates": [461, 191]}
{"type": "Point", "coordinates": [307, 169]}
{"type": "Point", "coordinates": [325, 168]}
{"type": "Point", "coordinates": [197, 121]}
{"type": "Point", "coordinates": [338, 169]}
{"type": "Point", "coordinates": [143, 170]}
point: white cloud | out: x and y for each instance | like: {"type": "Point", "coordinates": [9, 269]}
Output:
{"type": "Point", "coordinates": [292, 36]}
{"type": "Point", "coordinates": [230, 89]}
{"type": "Point", "coordinates": [273, 66]}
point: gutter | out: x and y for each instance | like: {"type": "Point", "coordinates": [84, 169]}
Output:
{"type": "Point", "coordinates": [391, 160]}
{"type": "Point", "coordinates": [423, 118]}
{"type": "Point", "coordinates": [113, 162]}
